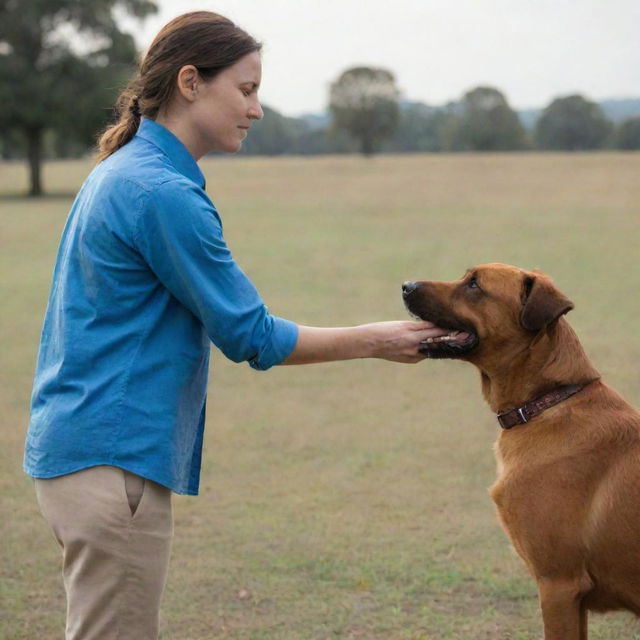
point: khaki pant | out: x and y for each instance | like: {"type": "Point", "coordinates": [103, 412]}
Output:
{"type": "Point", "coordinates": [115, 531]}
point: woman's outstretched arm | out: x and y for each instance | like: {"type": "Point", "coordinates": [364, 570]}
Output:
{"type": "Point", "coordinates": [395, 340]}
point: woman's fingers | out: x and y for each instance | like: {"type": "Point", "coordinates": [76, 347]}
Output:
{"type": "Point", "coordinates": [431, 332]}
{"type": "Point", "coordinates": [399, 341]}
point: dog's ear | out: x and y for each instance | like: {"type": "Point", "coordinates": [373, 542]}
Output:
{"type": "Point", "coordinates": [542, 303]}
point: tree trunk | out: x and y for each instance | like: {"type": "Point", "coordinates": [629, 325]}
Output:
{"type": "Point", "coordinates": [367, 147]}
{"type": "Point", "coordinates": [34, 157]}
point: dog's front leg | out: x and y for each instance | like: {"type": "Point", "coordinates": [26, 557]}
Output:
{"type": "Point", "coordinates": [563, 612]}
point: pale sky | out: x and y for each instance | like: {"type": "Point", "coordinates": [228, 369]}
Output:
{"type": "Point", "coordinates": [532, 50]}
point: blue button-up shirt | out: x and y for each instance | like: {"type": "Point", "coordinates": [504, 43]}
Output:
{"type": "Point", "coordinates": [143, 281]}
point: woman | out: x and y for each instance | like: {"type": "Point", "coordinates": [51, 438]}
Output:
{"type": "Point", "coordinates": [143, 282]}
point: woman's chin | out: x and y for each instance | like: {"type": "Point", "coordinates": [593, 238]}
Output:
{"type": "Point", "coordinates": [231, 147]}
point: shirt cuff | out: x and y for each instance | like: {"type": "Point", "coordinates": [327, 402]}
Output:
{"type": "Point", "coordinates": [284, 336]}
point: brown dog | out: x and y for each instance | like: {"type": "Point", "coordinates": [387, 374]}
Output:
{"type": "Point", "coordinates": [568, 486]}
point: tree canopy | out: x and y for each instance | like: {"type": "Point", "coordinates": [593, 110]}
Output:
{"type": "Point", "coordinates": [61, 65]}
{"type": "Point", "coordinates": [628, 135]}
{"type": "Point", "coordinates": [574, 124]}
{"type": "Point", "coordinates": [364, 103]}
{"type": "Point", "coordinates": [486, 122]}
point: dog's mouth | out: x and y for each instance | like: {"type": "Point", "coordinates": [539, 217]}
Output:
{"type": "Point", "coordinates": [458, 338]}
{"type": "Point", "coordinates": [454, 337]}
{"type": "Point", "coordinates": [454, 344]}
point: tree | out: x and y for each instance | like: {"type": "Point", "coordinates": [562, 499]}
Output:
{"type": "Point", "coordinates": [486, 122]}
{"type": "Point", "coordinates": [61, 63]}
{"type": "Point", "coordinates": [364, 103]}
{"type": "Point", "coordinates": [628, 135]}
{"type": "Point", "coordinates": [573, 124]}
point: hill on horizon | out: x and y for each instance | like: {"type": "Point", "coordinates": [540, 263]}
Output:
{"type": "Point", "coordinates": [615, 109]}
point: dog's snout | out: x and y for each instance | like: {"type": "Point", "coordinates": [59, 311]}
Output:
{"type": "Point", "coordinates": [408, 288]}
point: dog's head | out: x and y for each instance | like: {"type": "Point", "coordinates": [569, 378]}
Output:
{"type": "Point", "coordinates": [490, 310]}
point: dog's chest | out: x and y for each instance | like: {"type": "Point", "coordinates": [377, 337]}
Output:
{"type": "Point", "coordinates": [526, 486]}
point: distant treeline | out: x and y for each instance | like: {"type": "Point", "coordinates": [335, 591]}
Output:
{"type": "Point", "coordinates": [55, 99]}
{"type": "Point", "coordinates": [571, 123]}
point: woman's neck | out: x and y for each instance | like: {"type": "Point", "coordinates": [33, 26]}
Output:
{"type": "Point", "coordinates": [181, 130]}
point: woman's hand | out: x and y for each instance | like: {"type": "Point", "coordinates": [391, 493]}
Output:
{"type": "Point", "coordinates": [400, 340]}
{"type": "Point", "coordinates": [397, 341]}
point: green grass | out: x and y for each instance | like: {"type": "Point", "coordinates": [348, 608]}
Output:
{"type": "Point", "coordinates": [346, 500]}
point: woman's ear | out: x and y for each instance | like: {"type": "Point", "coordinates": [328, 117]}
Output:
{"type": "Point", "coordinates": [543, 303]}
{"type": "Point", "coordinates": [187, 82]}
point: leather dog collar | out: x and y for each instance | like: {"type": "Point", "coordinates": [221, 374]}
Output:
{"type": "Point", "coordinates": [530, 410]}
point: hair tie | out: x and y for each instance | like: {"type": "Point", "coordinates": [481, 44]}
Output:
{"type": "Point", "coordinates": [134, 107]}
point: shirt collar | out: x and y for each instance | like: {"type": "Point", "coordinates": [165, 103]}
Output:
{"type": "Point", "coordinates": [168, 143]}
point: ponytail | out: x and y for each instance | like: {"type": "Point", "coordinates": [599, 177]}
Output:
{"type": "Point", "coordinates": [129, 114]}
{"type": "Point", "coordinates": [206, 40]}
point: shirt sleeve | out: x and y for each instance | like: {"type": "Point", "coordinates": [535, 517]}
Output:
{"type": "Point", "coordinates": [179, 234]}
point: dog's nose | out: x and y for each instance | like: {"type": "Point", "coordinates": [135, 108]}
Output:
{"type": "Point", "coordinates": [408, 288]}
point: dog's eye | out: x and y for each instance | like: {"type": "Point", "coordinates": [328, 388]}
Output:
{"type": "Point", "coordinates": [473, 283]}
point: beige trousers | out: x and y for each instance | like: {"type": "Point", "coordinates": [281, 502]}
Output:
{"type": "Point", "coordinates": [115, 531]}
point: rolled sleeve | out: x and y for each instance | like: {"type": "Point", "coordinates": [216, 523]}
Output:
{"type": "Point", "coordinates": [284, 335]}
{"type": "Point", "coordinates": [179, 234]}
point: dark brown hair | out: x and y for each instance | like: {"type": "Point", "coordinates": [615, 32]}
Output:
{"type": "Point", "coordinates": [208, 41]}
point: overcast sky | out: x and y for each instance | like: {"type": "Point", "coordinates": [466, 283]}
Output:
{"type": "Point", "coordinates": [532, 50]}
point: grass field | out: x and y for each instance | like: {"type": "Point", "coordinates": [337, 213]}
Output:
{"type": "Point", "coordinates": [347, 500]}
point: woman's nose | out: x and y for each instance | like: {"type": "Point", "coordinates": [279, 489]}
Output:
{"type": "Point", "coordinates": [256, 112]}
